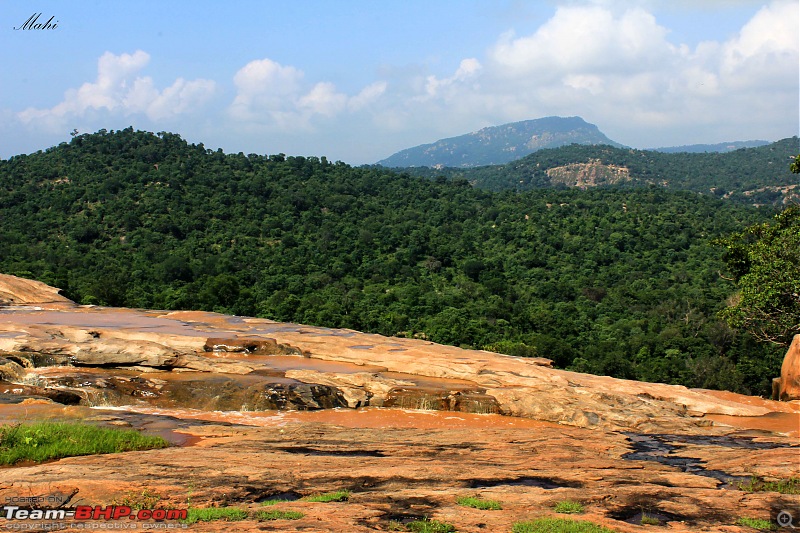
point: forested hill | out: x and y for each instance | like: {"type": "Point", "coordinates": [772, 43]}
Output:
{"type": "Point", "coordinates": [617, 281]}
{"type": "Point", "coordinates": [500, 144]}
{"type": "Point", "coordinates": [749, 175]}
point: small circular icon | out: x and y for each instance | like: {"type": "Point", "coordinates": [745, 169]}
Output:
{"type": "Point", "coordinates": [784, 519]}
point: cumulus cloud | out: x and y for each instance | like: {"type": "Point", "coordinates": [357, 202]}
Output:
{"type": "Point", "coordinates": [119, 89]}
{"type": "Point", "coordinates": [584, 39]}
{"type": "Point", "coordinates": [274, 95]}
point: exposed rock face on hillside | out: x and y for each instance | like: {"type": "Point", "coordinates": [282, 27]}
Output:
{"type": "Point", "coordinates": [591, 174]}
{"type": "Point", "coordinates": [251, 402]}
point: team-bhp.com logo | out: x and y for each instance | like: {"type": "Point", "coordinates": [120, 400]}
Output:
{"type": "Point", "coordinates": [87, 512]}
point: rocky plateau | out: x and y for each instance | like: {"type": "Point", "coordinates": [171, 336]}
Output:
{"type": "Point", "coordinates": [260, 410]}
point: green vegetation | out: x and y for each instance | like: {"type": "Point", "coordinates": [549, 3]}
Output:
{"type": "Point", "coordinates": [558, 525]}
{"type": "Point", "coordinates": [337, 496]}
{"type": "Point", "coordinates": [568, 507]}
{"type": "Point", "coordinates": [748, 175]}
{"type": "Point", "coordinates": [272, 502]}
{"type": "Point", "coordinates": [209, 514]}
{"type": "Point", "coordinates": [145, 499]}
{"type": "Point", "coordinates": [650, 520]}
{"type": "Point", "coordinates": [430, 526]}
{"type": "Point", "coordinates": [764, 261]}
{"type": "Point", "coordinates": [479, 503]}
{"type": "Point", "coordinates": [616, 281]}
{"type": "Point", "coordinates": [783, 486]}
{"type": "Point", "coordinates": [43, 441]}
{"type": "Point", "coordinates": [756, 523]}
{"type": "Point", "coordinates": [276, 514]}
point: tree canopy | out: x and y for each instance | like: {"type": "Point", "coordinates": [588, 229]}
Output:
{"type": "Point", "coordinates": [613, 281]}
{"type": "Point", "coordinates": [764, 261]}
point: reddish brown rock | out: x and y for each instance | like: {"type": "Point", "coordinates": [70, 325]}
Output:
{"type": "Point", "coordinates": [20, 291]}
{"type": "Point", "coordinates": [401, 473]}
{"type": "Point", "coordinates": [789, 388]}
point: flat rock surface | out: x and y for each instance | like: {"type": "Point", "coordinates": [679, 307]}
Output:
{"type": "Point", "coordinates": [509, 429]}
{"type": "Point", "coordinates": [402, 465]}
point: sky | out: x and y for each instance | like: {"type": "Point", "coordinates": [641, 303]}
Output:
{"type": "Point", "coordinates": [357, 80]}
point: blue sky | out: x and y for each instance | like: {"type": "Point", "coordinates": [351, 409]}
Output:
{"type": "Point", "coordinates": [357, 80]}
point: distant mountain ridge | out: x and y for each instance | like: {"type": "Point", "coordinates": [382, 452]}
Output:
{"type": "Point", "coordinates": [497, 145]}
{"type": "Point", "coordinates": [711, 148]}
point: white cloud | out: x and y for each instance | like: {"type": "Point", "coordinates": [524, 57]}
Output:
{"type": "Point", "coordinates": [119, 90]}
{"type": "Point", "coordinates": [585, 40]}
{"type": "Point", "coordinates": [274, 96]}
{"type": "Point", "coordinates": [766, 49]}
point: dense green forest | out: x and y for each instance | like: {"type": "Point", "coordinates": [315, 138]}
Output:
{"type": "Point", "coordinates": [747, 175]}
{"type": "Point", "coordinates": [614, 281]}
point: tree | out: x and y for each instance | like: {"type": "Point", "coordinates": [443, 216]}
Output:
{"type": "Point", "coordinates": [764, 261]}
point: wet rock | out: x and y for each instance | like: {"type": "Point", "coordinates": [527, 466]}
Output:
{"type": "Point", "coordinates": [29, 391]}
{"type": "Point", "coordinates": [359, 389]}
{"type": "Point", "coordinates": [789, 387]}
{"type": "Point", "coordinates": [249, 345]}
{"type": "Point", "coordinates": [10, 370]}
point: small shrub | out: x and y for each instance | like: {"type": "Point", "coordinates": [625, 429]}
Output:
{"type": "Point", "coordinates": [558, 525]}
{"type": "Point", "coordinates": [756, 523]}
{"type": "Point", "coordinates": [568, 507]}
{"type": "Point", "coordinates": [209, 514]}
{"type": "Point", "coordinates": [479, 503]}
{"type": "Point", "coordinates": [430, 526]}
{"type": "Point", "coordinates": [338, 496]}
{"type": "Point", "coordinates": [276, 514]}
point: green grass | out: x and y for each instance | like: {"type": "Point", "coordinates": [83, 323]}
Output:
{"type": "Point", "coordinates": [337, 496]}
{"type": "Point", "coordinates": [209, 514]}
{"type": "Point", "coordinates": [568, 507]}
{"type": "Point", "coordinates": [430, 526]}
{"type": "Point", "coordinates": [272, 502]}
{"type": "Point", "coordinates": [277, 514]}
{"type": "Point", "coordinates": [479, 503]}
{"type": "Point", "coordinates": [43, 441]}
{"type": "Point", "coordinates": [783, 486]}
{"type": "Point", "coordinates": [650, 520]}
{"type": "Point", "coordinates": [558, 525]}
{"type": "Point", "coordinates": [756, 523]}
{"type": "Point", "coordinates": [140, 500]}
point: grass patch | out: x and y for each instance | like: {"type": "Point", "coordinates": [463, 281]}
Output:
{"type": "Point", "coordinates": [756, 523]}
{"type": "Point", "coordinates": [480, 503]}
{"type": "Point", "coordinates": [568, 507]}
{"type": "Point", "coordinates": [209, 514]}
{"type": "Point", "coordinates": [558, 525]}
{"type": "Point", "coordinates": [277, 514]}
{"type": "Point", "coordinates": [140, 500]}
{"type": "Point", "coordinates": [650, 520]}
{"type": "Point", "coordinates": [337, 496]}
{"type": "Point", "coordinates": [272, 502]}
{"type": "Point", "coordinates": [783, 486]}
{"type": "Point", "coordinates": [430, 526]}
{"type": "Point", "coordinates": [43, 441]}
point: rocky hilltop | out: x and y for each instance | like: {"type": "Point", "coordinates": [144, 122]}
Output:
{"type": "Point", "coordinates": [497, 145]}
{"type": "Point", "coordinates": [263, 409]}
